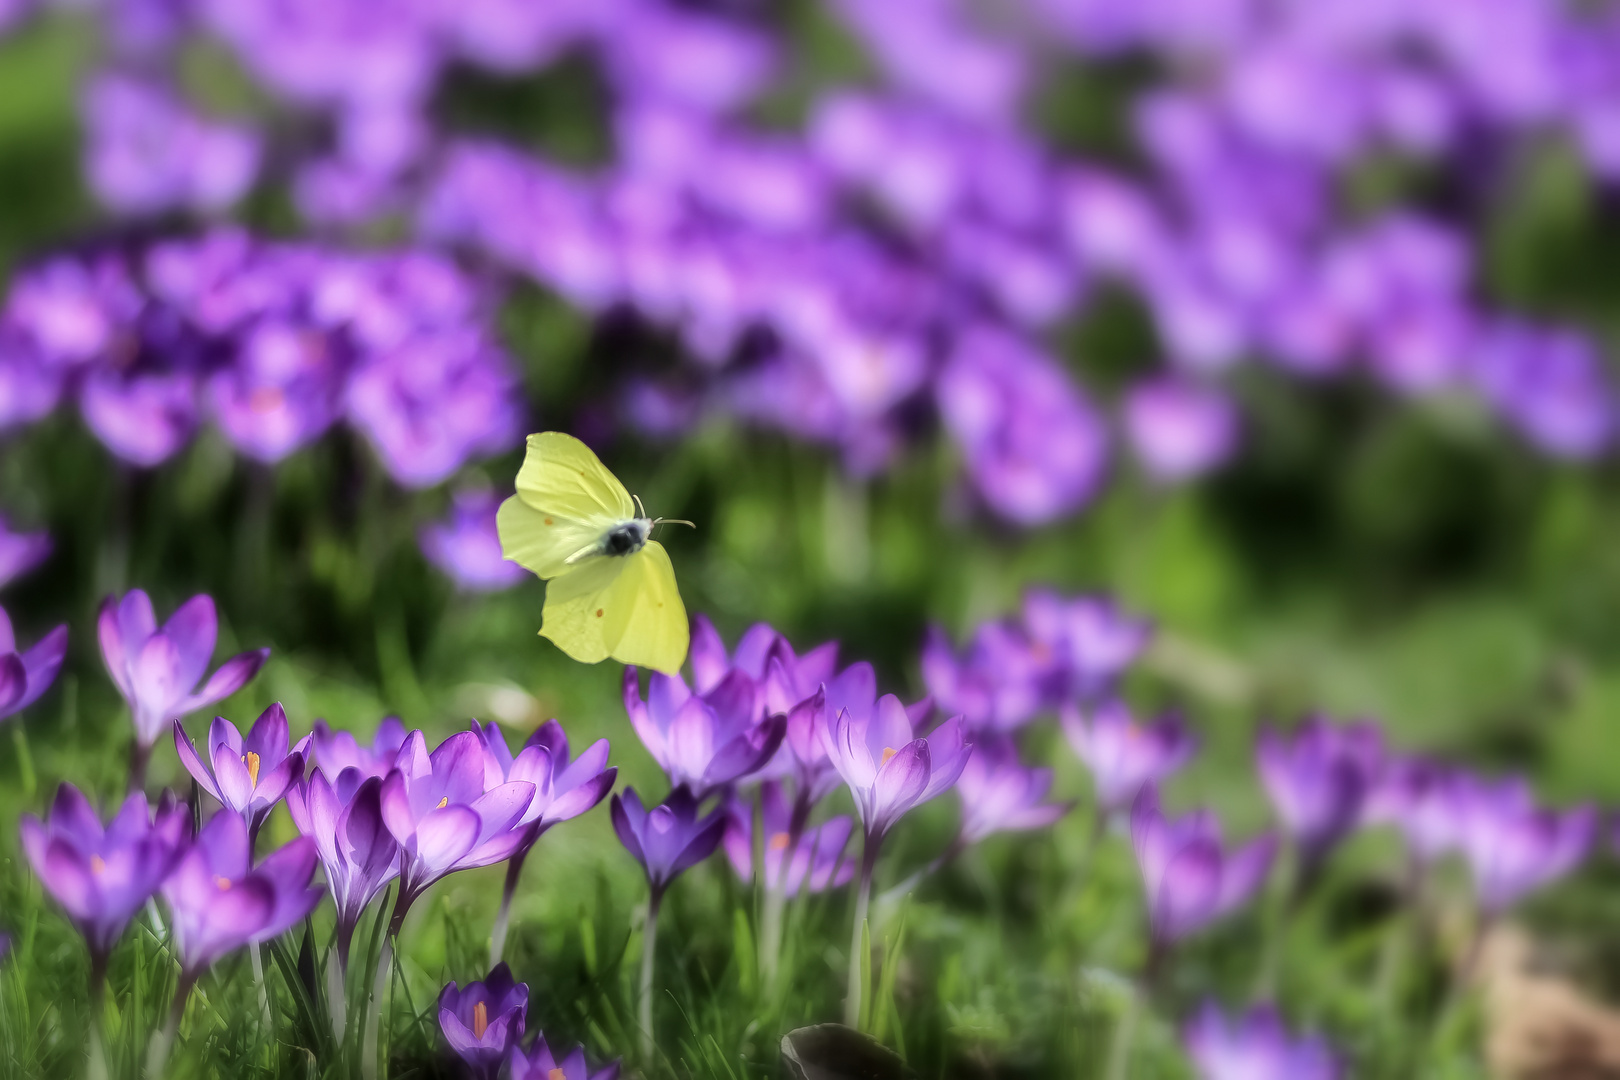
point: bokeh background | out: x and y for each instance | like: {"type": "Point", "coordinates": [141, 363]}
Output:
{"type": "Point", "coordinates": [1418, 530]}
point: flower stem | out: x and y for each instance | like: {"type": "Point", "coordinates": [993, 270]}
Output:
{"type": "Point", "coordinates": [649, 952]}
{"type": "Point", "coordinates": [336, 1000]}
{"type": "Point", "coordinates": [157, 1053]}
{"type": "Point", "coordinates": [863, 900]}
{"type": "Point", "coordinates": [258, 983]}
{"type": "Point", "coordinates": [139, 756]}
{"type": "Point", "coordinates": [497, 937]}
{"type": "Point", "coordinates": [25, 760]}
{"type": "Point", "coordinates": [1119, 1054]}
{"type": "Point", "coordinates": [370, 1054]}
{"type": "Point", "coordinates": [98, 991]}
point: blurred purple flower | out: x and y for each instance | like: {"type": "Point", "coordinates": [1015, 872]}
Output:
{"type": "Point", "coordinates": [1256, 1047]}
{"type": "Point", "coordinates": [816, 858]}
{"type": "Point", "coordinates": [888, 768]}
{"type": "Point", "coordinates": [1551, 385]}
{"type": "Point", "coordinates": [999, 793]}
{"type": "Point", "coordinates": [1125, 757]}
{"type": "Point", "coordinates": [102, 876]}
{"type": "Point", "coordinates": [71, 311]}
{"type": "Point", "coordinates": [703, 741]}
{"type": "Point", "coordinates": [467, 547]}
{"type": "Point", "coordinates": [1035, 448]}
{"type": "Point", "coordinates": [248, 776]}
{"type": "Point", "coordinates": [668, 839]}
{"type": "Point", "coordinates": [20, 552]}
{"type": "Point", "coordinates": [335, 751]}
{"type": "Point", "coordinates": [283, 390]}
{"type": "Point", "coordinates": [143, 417]}
{"type": "Point", "coordinates": [1179, 429]}
{"type": "Point", "coordinates": [1190, 878]}
{"type": "Point", "coordinates": [221, 901]}
{"type": "Point", "coordinates": [540, 1064]}
{"type": "Point", "coordinates": [438, 809]}
{"type": "Point", "coordinates": [1320, 781]}
{"type": "Point", "coordinates": [1423, 800]}
{"type": "Point", "coordinates": [157, 670]}
{"type": "Point", "coordinates": [24, 676]}
{"type": "Point", "coordinates": [1514, 847]}
{"type": "Point", "coordinates": [1001, 682]}
{"type": "Point", "coordinates": [358, 853]}
{"type": "Point", "coordinates": [483, 1021]}
{"type": "Point", "coordinates": [1091, 637]}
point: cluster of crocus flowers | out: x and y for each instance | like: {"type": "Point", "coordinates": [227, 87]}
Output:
{"type": "Point", "coordinates": [483, 1023]}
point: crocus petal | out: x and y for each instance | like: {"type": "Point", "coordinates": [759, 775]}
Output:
{"type": "Point", "coordinates": [584, 797]}
{"type": "Point", "coordinates": [899, 784]}
{"type": "Point", "coordinates": [13, 683]}
{"type": "Point", "coordinates": [43, 662]}
{"type": "Point", "coordinates": [1189, 891]}
{"type": "Point", "coordinates": [232, 675]}
{"type": "Point", "coordinates": [235, 785]}
{"type": "Point", "coordinates": [114, 649]}
{"type": "Point", "coordinates": [192, 628]}
{"type": "Point", "coordinates": [445, 836]}
{"type": "Point", "coordinates": [194, 765]}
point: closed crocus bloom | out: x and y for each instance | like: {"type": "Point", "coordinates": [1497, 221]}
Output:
{"type": "Point", "coordinates": [1321, 779]}
{"type": "Point", "coordinates": [1000, 794]}
{"type": "Point", "coordinates": [887, 767]}
{"type": "Point", "coordinates": [358, 853]}
{"type": "Point", "coordinates": [25, 674]}
{"type": "Point", "coordinates": [220, 901]}
{"type": "Point", "coordinates": [1123, 755]}
{"type": "Point", "coordinates": [157, 669]}
{"type": "Point", "coordinates": [467, 547]}
{"type": "Point", "coordinates": [816, 859]}
{"type": "Point", "coordinates": [1514, 847]}
{"type": "Point", "coordinates": [703, 741]}
{"type": "Point", "coordinates": [668, 839]}
{"type": "Point", "coordinates": [1256, 1047]}
{"type": "Point", "coordinates": [20, 552]}
{"type": "Point", "coordinates": [438, 809]}
{"type": "Point", "coordinates": [1189, 877]}
{"type": "Point", "coordinates": [102, 876]}
{"type": "Point", "coordinates": [1094, 640]}
{"type": "Point", "coordinates": [336, 751]}
{"type": "Point", "coordinates": [540, 1064]}
{"type": "Point", "coordinates": [248, 775]}
{"type": "Point", "coordinates": [483, 1021]}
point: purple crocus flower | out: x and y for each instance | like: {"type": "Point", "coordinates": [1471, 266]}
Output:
{"type": "Point", "coordinates": [540, 1064]}
{"type": "Point", "coordinates": [669, 838]}
{"type": "Point", "coordinates": [1190, 878]}
{"type": "Point", "coordinates": [1422, 799]}
{"type": "Point", "coordinates": [483, 1021]}
{"type": "Point", "coordinates": [20, 552]}
{"type": "Point", "coordinates": [102, 876]}
{"type": "Point", "coordinates": [1257, 1047]}
{"type": "Point", "coordinates": [888, 768]}
{"type": "Point", "coordinates": [221, 901]}
{"type": "Point", "coordinates": [467, 547]}
{"type": "Point", "coordinates": [25, 675]}
{"type": "Point", "coordinates": [248, 776]}
{"type": "Point", "coordinates": [1092, 638]}
{"type": "Point", "coordinates": [1001, 682]}
{"type": "Point", "coordinates": [1179, 429]}
{"type": "Point", "coordinates": [1124, 756]}
{"type": "Point", "coordinates": [1514, 847]}
{"type": "Point", "coordinates": [336, 751]}
{"type": "Point", "coordinates": [1000, 794]}
{"type": "Point", "coordinates": [816, 859]}
{"type": "Point", "coordinates": [359, 854]}
{"type": "Point", "coordinates": [157, 670]}
{"type": "Point", "coordinates": [1320, 781]}
{"type": "Point", "coordinates": [437, 808]}
{"type": "Point", "coordinates": [703, 741]}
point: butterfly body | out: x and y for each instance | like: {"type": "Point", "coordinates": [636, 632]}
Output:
{"type": "Point", "coordinates": [612, 588]}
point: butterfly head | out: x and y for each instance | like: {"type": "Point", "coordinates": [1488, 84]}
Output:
{"type": "Point", "coordinates": [627, 537]}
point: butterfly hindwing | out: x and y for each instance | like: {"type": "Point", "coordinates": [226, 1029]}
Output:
{"type": "Point", "coordinates": [646, 621]}
{"type": "Point", "coordinates": [576, 609]}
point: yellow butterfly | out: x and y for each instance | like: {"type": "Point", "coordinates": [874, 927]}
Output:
{"type": "Point", "coordinates": [612, 590]}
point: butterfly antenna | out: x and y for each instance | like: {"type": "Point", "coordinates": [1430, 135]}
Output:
{"type": "Point", "coordinates": [641, 511]}
{"type": "Point", "coordinates": [675, 521]}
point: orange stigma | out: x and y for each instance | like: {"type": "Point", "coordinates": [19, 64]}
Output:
{"type": "Point", "coordinates": [444, 802]}
{"type": "Point", "coordinates": [251, 760]}
{"type": "Point", "coordinates": [556, 1074]}
{"type": "Point", "coordinates": [779, 841]}
{"type": "Point", "coordinates": [888, 752]}
{"type": "Point", "coordinates": [223, 884]}
{"type": "Point", "coordinates": [480, 1020]}
{"type": "Point", "coordinates": [98, 865]}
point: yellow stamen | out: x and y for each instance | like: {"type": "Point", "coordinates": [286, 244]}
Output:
{"type": "Point", "coordinates": [888, 752]}
{"type": "Point", "coordinates": [224, 884]}
{"type": "Point", "coordinates": [444, 802]}
{"type": "Point", "coordinates": [480, 1020]}
{"type": "Point", "coordinates": [98, 865]}
{"type": "Point", "coordinates": [556, 1074]}
{"type": "Point", "coordinates": [779, 842]}
{"type": "Point", "coordinates": [251, 760]}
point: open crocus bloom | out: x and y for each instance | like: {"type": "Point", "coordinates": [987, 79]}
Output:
{"type": "Point", "coordinates": [157, 670]}
{"type": "Point", "coordinates": [818, 858]}
{"type": "Point", "coordinates": [248, 775]}
{"type": "Point", "coordinates": [103, 876]}
{"type": "Point", "coordinates": [669, 838]}
{"type": "Point", "coordinates": [1513, 846]}
{"type": "Point", "coordinates": [1190, 878]}
{"type": "Point", "coordinates": [220, 901]}
{"type": "Point", "coordinates": [1257, 1047]}
{"type": "Point", "coordinates": [703, 741]}
{"type": "Point", "coordinates": [26, 675]}
{"type": "Point", "coordinates": [483, 1021]}
{"type": "Point", "coordinates": [358, 853]}
{"type": "Point", "coordinates": [339, 750]}
{"type": "Point", "coordinates": [444, 820]}
{"type": "Point", "coordinates": [1123, 755]}
{"type": "Point", "coordinates": [999, 793]}
{"type": "Point", "coordinates": [540, 1064]}
{"type": "Point", "coordinates": [562, 789]}
{"type": "Point", "coordinates": [887, 767]}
